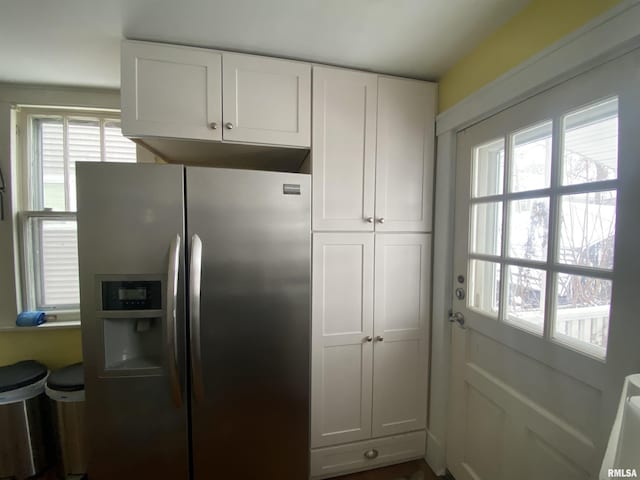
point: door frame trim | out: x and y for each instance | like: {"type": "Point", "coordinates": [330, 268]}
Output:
{"type": "Point", "coordinates": [608, 36]}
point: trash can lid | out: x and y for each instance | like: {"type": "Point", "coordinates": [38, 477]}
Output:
{"type": "Point", "coordinates": [67, 379]}
{"type": "Point", "coordinates": [21, 374]}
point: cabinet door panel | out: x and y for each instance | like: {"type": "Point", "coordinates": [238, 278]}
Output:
{"type": "Point", "coordinates": [401, 311]}
{"type": "Point", "coordinates": [343, 153]}
{"type": "Point", "coordinates": [342, 310]}
{"type": "Point", "coordinates": [171, 91]}
{"type": "Point", "coordinates": [405, 155]}
{"type": "Point", "coordinates": [267, 100]}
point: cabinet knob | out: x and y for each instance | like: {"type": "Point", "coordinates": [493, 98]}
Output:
{"type": "Point", "coordinates": [369, 219]}
{"type": "Point", "coordinates": [379, 339]}
{"type": "Point", "coordinates": [229, 126]}
{"type": "Point", "coordinates": [213, 125]}
{"type": "Point", "coordinates": [371, 454]}
{"type": "Point", "coordinates": [381, 220]}
{"type": "Point", "coordinates": [368, 338]}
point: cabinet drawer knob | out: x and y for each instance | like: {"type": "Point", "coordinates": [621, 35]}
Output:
{"type": "Point", "coordinates": [371, 454]}
{"type": "Point", "coordinates": [368, 338]}
{"type": "Point", "coordinates": [213, 125]}
{"type": "Point", "coordinates": [369, 219]}
{"type": "Point", "coordinates": [229, 125]}
{"type": "Point", "coordinates": [381, 220]}
{"type": "Point", "coordinates": [379, 339]}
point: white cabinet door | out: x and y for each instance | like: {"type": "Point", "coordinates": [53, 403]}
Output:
{"type": "Point", "coordinates": [342, 310]}
{"type": "Point", "coordinates": [401, 311]}
{"type": "Point", "coordinates": [266, 100]}
{"type": "Point", "coordinates": [343, 153]}
{"type": "Point", "coordinates": [405, 155]}
{"type": "Point", "coordinates": [171, 91]}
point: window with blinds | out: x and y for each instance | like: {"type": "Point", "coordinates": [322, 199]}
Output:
{"type": "Point", "coordinates": [55, 142]}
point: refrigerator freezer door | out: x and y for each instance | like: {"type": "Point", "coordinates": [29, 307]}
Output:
{"type": "Point", "coordinates": [130, 221]}
{"type": "Point", "coordinates": [251, 419]}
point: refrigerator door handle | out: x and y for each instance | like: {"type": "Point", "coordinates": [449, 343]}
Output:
{"type": "Point", "coordinates": [194, 321]}
{"type": "Point", "coordinates": [171, 321]}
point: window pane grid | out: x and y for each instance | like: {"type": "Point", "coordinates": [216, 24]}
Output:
{"type": "Point", "coordinates": [563, 297]}
{"type": "Point", "coordinates": [56, 141]}
{"type": "Point", "coordinates": [553, 267]}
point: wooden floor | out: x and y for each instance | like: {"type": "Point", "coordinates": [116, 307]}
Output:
{"type": "Point", "coordinates": [416, 470]}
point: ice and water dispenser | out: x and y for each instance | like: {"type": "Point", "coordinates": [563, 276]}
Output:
{"type": "Point", "coordinates": [132, 324]}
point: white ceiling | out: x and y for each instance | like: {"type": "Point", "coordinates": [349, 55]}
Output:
{"type": "Point", "coordinates": [77, 42]}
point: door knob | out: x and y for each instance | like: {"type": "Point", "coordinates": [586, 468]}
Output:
{"type": "Point", "coordinates": [369, 219]}
{"type": "Point", "coordinates": [379, 339]}
{"type": "Point", "coordinates": [229, 126]}
{"type": "Point", "coordinates": [213, 125]}
{"type": "Point", "coordinates": [381, 220]}
{"type": "Point", "coordinates": [368, 338]}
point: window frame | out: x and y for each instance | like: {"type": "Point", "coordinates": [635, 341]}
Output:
{"type": "Point", "coordinates": [31, 296]}
{"type": "Point", "coordinates": [551, 265]}
{"type": "Point", "coordinates": [30, 289]}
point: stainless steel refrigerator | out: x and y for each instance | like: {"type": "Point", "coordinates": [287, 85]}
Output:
{"type": "Point", "coordinates": [195, 304]}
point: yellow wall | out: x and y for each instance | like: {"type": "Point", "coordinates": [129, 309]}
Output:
{"type": "Point", "coordinates": [537, 26]}
{"type": "Point", "coordinates": [54, 348]}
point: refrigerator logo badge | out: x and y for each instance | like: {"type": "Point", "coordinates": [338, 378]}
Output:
{"type": "Point", "coordinates": [291, 189]}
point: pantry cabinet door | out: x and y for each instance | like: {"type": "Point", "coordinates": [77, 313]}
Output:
{"type": "Point", "coordinates": [171, 91]}
{"type": "Point", "coordinates": [342, 311]}
{"type": "Point", "coordinates": [400, 345]}
{"type": "Point", "coordinates": [343, 153]}
{"type": "Point", "coordinates": [266, 100]}
{"type": "Point", "coordinates": [405, 155]}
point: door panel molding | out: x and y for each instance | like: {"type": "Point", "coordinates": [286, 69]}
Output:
{"type": "Point", "coordinates": [341, 361]}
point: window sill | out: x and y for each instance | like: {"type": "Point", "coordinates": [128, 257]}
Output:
{"type": "Point", "coordinates": [57, 325]}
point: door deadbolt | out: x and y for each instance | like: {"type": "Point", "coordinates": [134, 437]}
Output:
{"type": "Point", "coordinates": [460, 293]}
{"type": "Point", "coordinates": [457, 318]}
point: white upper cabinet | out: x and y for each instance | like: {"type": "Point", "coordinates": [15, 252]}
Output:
{"type": "Point", "coordinates": [401, 311]}
{"type": "Point", "coordinates": [405, 155]}
{"type": "Point", "coordinates": [171, 91]}
{"type": "Point", "coordinates": [266, 100]}
{"type": "Point", "coordinates": [199, 94]}
{"type": "Point", "coordinates": [373, 152]}
{"type": "Point", "coordinates": [342, 347]}
{"type": "Point", "coordinates": [343, 152]}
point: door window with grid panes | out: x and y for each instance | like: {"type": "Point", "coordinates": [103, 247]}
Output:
{"type": "Point", "coordinates": [53, 142]}
{"type": "Point", "coordinates": [542, 224]}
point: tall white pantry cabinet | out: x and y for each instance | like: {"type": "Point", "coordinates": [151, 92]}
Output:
{"type": "Point", "coordinates": [372, 165]}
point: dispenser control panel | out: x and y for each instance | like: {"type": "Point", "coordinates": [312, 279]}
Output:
{"type": "Point", "coordinates": [132, 295]}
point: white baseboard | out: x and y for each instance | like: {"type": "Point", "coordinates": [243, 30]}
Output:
{"type": "Point", "coordinates": [436, 455]}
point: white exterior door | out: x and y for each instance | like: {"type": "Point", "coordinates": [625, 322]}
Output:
{"type": "Point", "coordinates": [343, 152]}
{"type": "Point", "coordinates": [341, 362]}
{"type": "Point", "coordinates": [405, 155]}
{"type": "Point", "coordinates": [171, 91]}
{"type": "Point", "coordinates": [546, 192]}
{"type": "Point", "coordinates": [266, 100]}
{"type": "Point", "coordinates": [401, 313]}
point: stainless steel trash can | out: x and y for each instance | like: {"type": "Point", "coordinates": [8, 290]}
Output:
{"type": "Point", "coordinates": [65, 388]}
{"type": "Point", "coordinates": [24, 417]}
